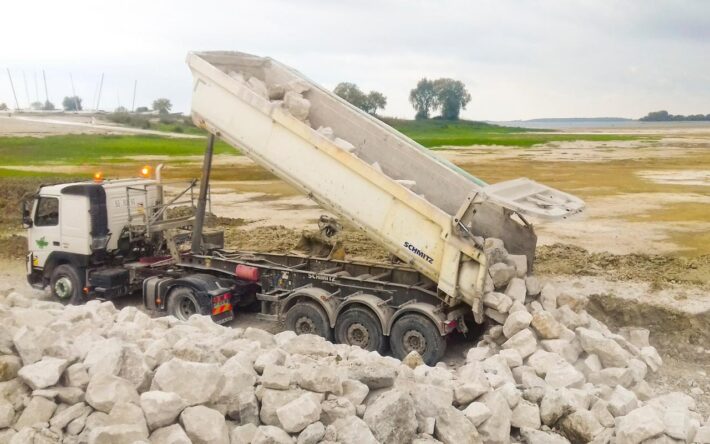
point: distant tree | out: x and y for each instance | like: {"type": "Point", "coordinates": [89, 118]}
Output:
{"type": "Point", "coordinates": [3, 107]}
{"type": "Point", "coordinates": [423, 98]}
{"type": "Point", "coordinates": [163, 106]}
{"type": "Point", "coordinates": [48, 106]}
{"type": "Point", "coordinates": [142, 109]}
{"type": "Point", "coordinates": [657, 116]}
{"type": "Point", "coordinates": [451, 97]}
{"type": "Point", "coordinates": [36, 105]}
{"type": "Point", "coordinates": [72, 103]}
{"type": "Point", "coordinates": [121, 109]}
{"type": "Point", "coordinates": [369, 103]}
{"type": "Point", "coordinates": [665, 116]}
{"type": "Point", "coordinates": [352, 93]}
{"type": "Point", "coordinates": [375, 100]}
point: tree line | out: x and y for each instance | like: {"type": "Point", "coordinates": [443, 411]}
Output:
{"type": "Point", "coordinates": [446, 95]}
{"type": "Point", "coordinates": [665, 116]}
{"type": "Point", "coordinates": [74, 103]}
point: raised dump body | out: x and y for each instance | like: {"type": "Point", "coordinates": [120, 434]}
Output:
{"type": "Point", "coordinates": [426, 211]}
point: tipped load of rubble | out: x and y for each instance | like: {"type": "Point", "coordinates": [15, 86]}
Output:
{"type": "Point", "coordinates": [548, 372]}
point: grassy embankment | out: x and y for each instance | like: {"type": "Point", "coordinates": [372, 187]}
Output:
{"type": "Point", "coordinates": [441, 133]}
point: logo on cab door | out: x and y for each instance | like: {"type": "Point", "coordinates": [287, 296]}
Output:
{"type": "Point", "coordinates": [42, 242]}
{"type": "Point", "coordinates": [418, 252]}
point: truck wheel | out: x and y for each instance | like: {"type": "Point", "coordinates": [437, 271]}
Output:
{"type": "Point", "coordinates": [359, 326]}
{"type": "Point", "coordinates": [308, 318]}
{"type": "Point", "coordinates": [416, 332]}
{"type": "Point", "coordinates": [182, 303]}
{"type": "Point", "coordinates": [67, 284]}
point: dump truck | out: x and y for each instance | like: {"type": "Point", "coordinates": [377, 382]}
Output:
{"type": "Point", "coordinates": [107, 239]}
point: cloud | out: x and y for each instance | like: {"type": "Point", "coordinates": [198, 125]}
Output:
{"type": "Point", "coordinates": [521, 59]}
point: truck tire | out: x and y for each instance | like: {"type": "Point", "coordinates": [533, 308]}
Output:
{"type": "Point", "coordinates": [416, 332]}
{"type": "Point", "coordinates": [307, 317]}
{"type": "Point", "coordinates": [67, 284]}
{"type": "Point", "coordinates": [182, 303]}
{"type": "Point", "coordinates": [359, 326]}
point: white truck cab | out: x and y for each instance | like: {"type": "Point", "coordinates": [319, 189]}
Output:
{"type": "Point", "coordinates": [74, 225]}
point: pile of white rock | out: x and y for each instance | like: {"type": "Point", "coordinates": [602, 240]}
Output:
{"type": "Point", "coordinates": [550, 373]}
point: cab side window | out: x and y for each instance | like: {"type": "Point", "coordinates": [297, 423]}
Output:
{"type": "Point", "coordinates": [47, 214]}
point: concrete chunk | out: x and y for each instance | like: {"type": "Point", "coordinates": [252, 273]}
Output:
{"type": "Point", "coordinates": [545, 325]}
{"type": "Point", "coordinates": [299, 413]}
{"type": "Point", "coordinates": [204, 425]}
{"type": "Point", "coordinates": [622, 401]}
{"type": "Point", "coordinates": [610, 353]}
{"type": "Point", "coordinates": [43, 373]}
{"type": "Point", "coordinates": [640, 424]}
{"type": "Point", "coordinates": [523, 341]}
{"type": "Point", "coordinates": [38, 410]}
{"type": "Point", "coordinates": [497, 301]}
{"type": "Point", "coordinates": [173, 434]}
{"type": "Point", "coordinates": [580, 426]}
{"type": "Point", "coordinates": [105, 390]}
{"type": "Point", "coordinates": [161, 408]}
{"type": "Point", "coordinates": [391, 417]}
{"type": "Point", "coordinates": [516, 289]}
{"type": "Point", "coordinates": [477, 413]}
{"type": "Point", "coordinates": [516, 322]}
{"type": "Point", "coordinates": [452, 427]}
{"type": "Point", "coordinates": [526, 414]}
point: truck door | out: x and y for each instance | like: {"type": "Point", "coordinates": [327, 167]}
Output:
{"type": "Point", "coordinates": [45, 235]}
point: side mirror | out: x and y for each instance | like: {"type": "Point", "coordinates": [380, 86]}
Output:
{"type": "Point", "coordinates": [27, 213]}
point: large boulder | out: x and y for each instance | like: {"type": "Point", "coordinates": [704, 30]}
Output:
{"type": "Point", "coordinates": [319, 378]}
{"type": "Point", "coordinates": [204, 425]}
{"type": "Point", "coordinates": [43, 373]}
{"type": "Point", "coordinates": [391, 417]}
{"type": "Point", "coordinates": [353, 430]}
{"type": "Point", "coordinates": [581, 426]}
{"type": "Point", "coordinates": [272, 400]}
{"type": "Point", "coordinates": [271, 435]}
{"type": "Point", "coordinates": [452, 427]}
{"type": "Point", "coordinates": [299, 413]}
{"type": "Point", "coordinates": [609, 351]}
{"type": "Point", "coordinates": [497, 427]}
{"type": "Point", "coordinates": [69, 414]}
{"type": "Point", "coordinates": [173, 434]}
{"type": "Point", "coordinates": [312, 434]}
{"type": "Point", "coordinates": [9, 366]}
{"type": "Point", "coordinates": [640, 424]}
{"type": "Point", "coordinates": [105, 357]}
{"type": "Point", "coordinates": [204, 380]}
{"type": "Point", "coordinates": [117, 434]}
{"type": "Point", "coordinates": [38, 410]}
{"type": "Point", "coordinates": [105, 390]}
{"type": "Point", "coordinates": [161, 408]}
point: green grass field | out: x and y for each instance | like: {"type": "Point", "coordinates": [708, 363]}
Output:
{"type": "Point", "coordinates": [438, 133]}
{"type": "Point", "coordinates": [96, 149]}
{"type": "Point", "coordinates": [91, 149]}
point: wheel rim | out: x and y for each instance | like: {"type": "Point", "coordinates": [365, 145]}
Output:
{"type": "Point", "coordinates": [305, 325]}
{"type": "Point", "coordinates": [186, 308]}
{"type": "Point", "coordinates": [358, 335]}
{"type": "Point", "coordinates": [63, 288]}
{"type": "Point", "coordinates": [414, 341]}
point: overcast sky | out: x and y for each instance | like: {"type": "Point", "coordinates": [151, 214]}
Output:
{"type": "Point", "coordinates": [519, 59]}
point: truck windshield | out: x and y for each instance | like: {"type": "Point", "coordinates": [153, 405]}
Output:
{"type": "Point", "coordinates": [47, 212]}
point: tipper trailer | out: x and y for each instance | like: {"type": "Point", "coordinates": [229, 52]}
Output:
{"type": "Point", "coordinates": [111, 238]}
